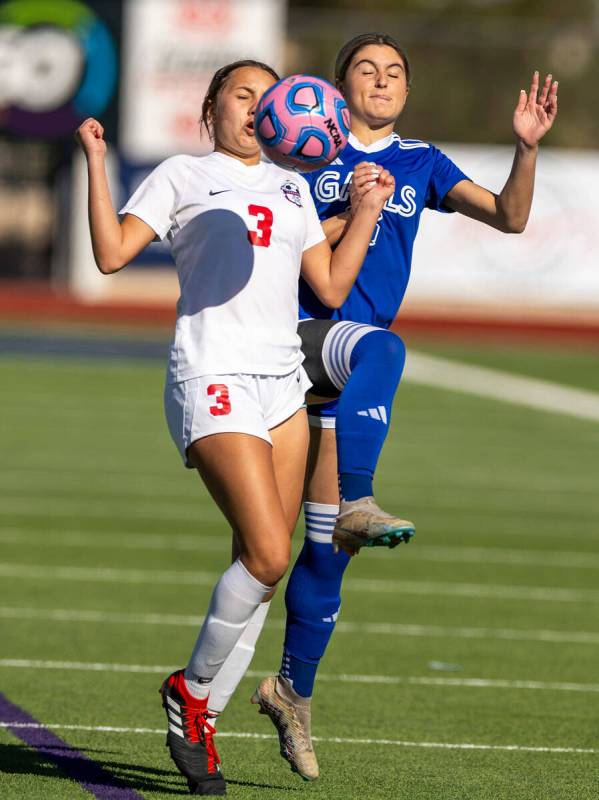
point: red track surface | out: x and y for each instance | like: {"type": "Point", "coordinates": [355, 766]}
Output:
{"type": "Point", "coordinates": [38, 304]}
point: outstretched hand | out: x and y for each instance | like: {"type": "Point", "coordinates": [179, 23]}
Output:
{"type": "Point", "coordinates": [536, 111]}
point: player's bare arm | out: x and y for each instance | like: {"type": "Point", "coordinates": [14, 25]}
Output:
{"type": "Point", "coordinates": [508, 211]}
{"type": "Point", "coordinates": [114, 243]}
{"type": "Point", "coordinates": [332, 274]}
{"type": "Point", "coordinates": [363, 179]}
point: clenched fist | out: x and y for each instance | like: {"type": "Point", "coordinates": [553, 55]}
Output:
{"type": "Point", "coordinates": [90, 135]}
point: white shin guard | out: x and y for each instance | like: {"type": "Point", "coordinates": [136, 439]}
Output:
{"type": "Point", "coordinates": [234, 601]}
{"type": "Point", "coordinates": [232, 671]}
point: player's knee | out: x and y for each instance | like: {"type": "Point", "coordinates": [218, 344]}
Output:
{"type": "Point", "coordinates": [383, 348]}
{"type": "Point", "coordinates": [270, 566]}
{"type": "Point", "coordinates": [391, 348]}
{"type": "Point", "coordinates": [273, 571]}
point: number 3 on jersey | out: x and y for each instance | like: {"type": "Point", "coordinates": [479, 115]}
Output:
{"type": "Point", "coordinates": [220, 393]}
{"type": "Point", "coordinates": [261, 236]}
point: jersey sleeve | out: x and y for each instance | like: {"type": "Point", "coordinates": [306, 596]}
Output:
{"type": "Point", "coordinates": [444, 176]}
{"type": "Point", "coordinates": [156, 199]}
{"type": "Point", "coordinates": [314, 231]}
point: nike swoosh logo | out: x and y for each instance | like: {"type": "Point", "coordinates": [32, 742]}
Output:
{"type": "Point", "coordinates": [220, 191]}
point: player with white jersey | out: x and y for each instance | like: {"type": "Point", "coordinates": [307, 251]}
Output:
{"type": "Point", "coordinates": [241, 231]}
{"type": "Point", "coordinates": [233, 229]}
{"type": "Point", "coordinates": [350, 354]}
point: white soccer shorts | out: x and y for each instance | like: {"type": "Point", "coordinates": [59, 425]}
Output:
{"type": "Point", "coordinates": [239, 403]}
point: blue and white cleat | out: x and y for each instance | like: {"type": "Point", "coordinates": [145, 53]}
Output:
{"type": "Point", "coordinates": [361, 523]}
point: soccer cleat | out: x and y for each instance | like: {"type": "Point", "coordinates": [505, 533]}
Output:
{"type": "Point", "coordinates": [189, 738]}
{"type": "Point", "coordinates": [361, 523]}
{"type": "Point", "coordinates": [290, 714]}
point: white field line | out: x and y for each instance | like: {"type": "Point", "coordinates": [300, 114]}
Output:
{"type": "Point", "coordinates": [564, 484]}
{"type": "Point", "coordinates": [503, 505]}
{"type": "Point", "coordinates": [475, 526]}
{"type": "Point", "coordinates": [122, 540]}
{"type": "Point", "coordinates": [387, 680]}
{"type": "Point", "coordinates": [133, 485]}
{"type": "Point", "coordinates": [360, 628]}
{"type": "Point", "coordinates": [478, 590]}
{"type": "Point", "coordinates": [192, 578]}
{"type": "Point", "coordinates": [495, 384]}
{"type": "Point", "coordinates": [108, 575]}
{"type": "Point", "coordinates": [512, 557]}
{"type": "Point", "coordinates": [322, 739]}
{"type": "Point", "coordinates": [125, 508]}
{"type": "Point", "coordinates": [198, 542]}
{"type": "Point", "coordinates": [492, 523]}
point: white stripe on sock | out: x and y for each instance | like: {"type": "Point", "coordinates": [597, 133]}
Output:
{"type": "Point", "coordinates": [321, 508]}
{"type": "Point", "coordinates": [321, 538]}
{"type": "Point", "coordinates": [311, 526]}
{"type": "Point", "coordinates": [320, 521]}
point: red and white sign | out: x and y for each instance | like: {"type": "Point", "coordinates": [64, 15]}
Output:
{"type": "Point", "coordinates": [171, 49]}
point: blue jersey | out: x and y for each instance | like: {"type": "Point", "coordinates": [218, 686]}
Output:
{"type": "Point", "coordinates": [423, 176]}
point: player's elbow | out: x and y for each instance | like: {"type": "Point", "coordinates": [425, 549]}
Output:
{"type": "Point", "coordinates": [332, 298]}
{"type": "Point", "coordinates": [108, 264]}
{"type": "Point", "coordinates": [107, 268]}
{"type": "Point", "coordinates": [514, 226]}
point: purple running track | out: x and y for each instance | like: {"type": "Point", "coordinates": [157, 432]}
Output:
{"type": "Point", "coordinates": [92, 777]}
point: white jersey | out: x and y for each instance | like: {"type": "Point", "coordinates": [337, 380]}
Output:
{"type": "Point", "coordinates": [237, 234]}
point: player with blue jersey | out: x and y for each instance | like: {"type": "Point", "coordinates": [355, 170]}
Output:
{"type": "Point", "coordinates": [350, 354]}
{"type": "Point", "coordinates": [423, 178]}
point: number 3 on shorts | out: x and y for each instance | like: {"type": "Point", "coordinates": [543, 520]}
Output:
{"type": "Point", "coordinates": [220, 392]}
{"type": "Point", "coordinates": [260, 237]}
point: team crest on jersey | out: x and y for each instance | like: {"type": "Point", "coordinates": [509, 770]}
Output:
{"type": "Point", "coordinates": [292, 193]}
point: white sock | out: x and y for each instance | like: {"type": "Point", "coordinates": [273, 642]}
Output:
{"type": "Point", "coordinates": [232, 671]}
{"type": "Point", "coordinates": [234, 600]}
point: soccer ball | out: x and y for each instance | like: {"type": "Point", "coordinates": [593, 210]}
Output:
{"type": "Point", "coordinates": [302, 122]}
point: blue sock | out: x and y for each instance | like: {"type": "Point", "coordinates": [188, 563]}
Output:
{"type": "Point", "coordinates": [364, 410]}
{"type": "Point", "coordinates": [312, 598]}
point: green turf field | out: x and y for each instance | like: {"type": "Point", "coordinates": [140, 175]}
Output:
{"type": "Point", "coordinates": [455, 659]}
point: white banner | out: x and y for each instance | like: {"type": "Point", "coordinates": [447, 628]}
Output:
{"type": "Point", "coordinates": [171, 49]}
{"type": "Point", "coordinates": [554, 263]}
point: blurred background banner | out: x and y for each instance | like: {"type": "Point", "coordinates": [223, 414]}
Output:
{"type": "Point", "coordinates": [58, 65]}
{"type": "Point", "coordinates": [170, 52]}
{"type": "Point", "coordinates": [552, 266]}
{"type": "Point", "coordinates": [142, 67]}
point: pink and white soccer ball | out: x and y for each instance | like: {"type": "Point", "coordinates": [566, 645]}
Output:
{"type": "Point", "coordinates": [302, 122]}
